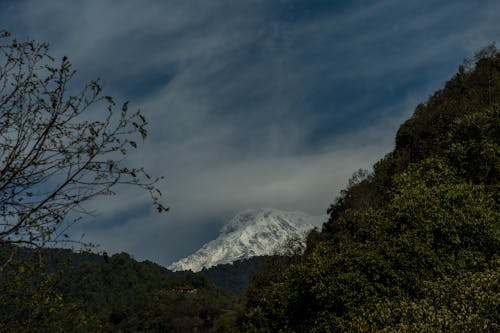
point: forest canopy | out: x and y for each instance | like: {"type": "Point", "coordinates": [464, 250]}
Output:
{"type": "Point", "coordinates": [413, 245]}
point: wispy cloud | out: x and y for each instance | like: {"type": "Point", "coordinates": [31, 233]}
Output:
{"type": "Point", "coordinates": [252, 103]}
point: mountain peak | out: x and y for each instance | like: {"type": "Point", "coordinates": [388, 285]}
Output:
{"type": "Point", "coordinates": [252, 232]}
{"type": "Point", "coordinates": [262, 216]}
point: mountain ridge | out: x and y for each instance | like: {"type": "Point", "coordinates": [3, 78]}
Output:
{"type": "Point", "coordinates": [250, 233]}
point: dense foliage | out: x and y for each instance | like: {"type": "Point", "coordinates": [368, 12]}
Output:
{"type": "Point", "coordinates": [412, 246]}
{"type": "Point", "coordinates": [126, 295]}
{"type": "Point", "coordinates": [90, 293]}
{"type": "Point", "coordinates": [236, 276]}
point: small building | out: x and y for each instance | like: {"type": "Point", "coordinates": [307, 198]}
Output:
{"type": "Point", "coordinates": [187, 290]}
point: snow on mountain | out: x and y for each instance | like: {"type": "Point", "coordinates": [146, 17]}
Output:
{"type": "Point", "coordinates": [251, 233]}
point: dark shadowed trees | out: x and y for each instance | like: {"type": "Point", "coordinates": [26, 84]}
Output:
{"type": "Point", "coordinates": [413, 246]}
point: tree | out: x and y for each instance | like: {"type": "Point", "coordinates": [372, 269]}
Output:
{"type": "Point", "coordinates": [58, 149]}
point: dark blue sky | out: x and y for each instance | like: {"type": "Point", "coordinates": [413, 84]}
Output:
{"type": "Point", "coordinates": [256, 103]}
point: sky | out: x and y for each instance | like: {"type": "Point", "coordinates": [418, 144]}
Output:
{"type": "Point", "coordinates": [250, 104]}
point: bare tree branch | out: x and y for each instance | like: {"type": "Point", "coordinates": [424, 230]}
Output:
{"type": "Point", "coordinates": [57, 150]}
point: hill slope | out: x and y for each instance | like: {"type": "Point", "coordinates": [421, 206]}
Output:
{"type": "Point", "coordinates": [414, 245]}
{"type": "Point", "coordinates": [92, 293]}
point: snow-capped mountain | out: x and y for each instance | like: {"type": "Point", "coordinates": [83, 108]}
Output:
{"type": "Point", "coordinates": [252, 233]}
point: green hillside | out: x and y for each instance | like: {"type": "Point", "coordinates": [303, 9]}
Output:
{"type": "Point", "coordinates": [414, 245]}
{"type": "Point", "coordinates": [91, 293]}
{"type": "Point", "coordinates": [236, 276]}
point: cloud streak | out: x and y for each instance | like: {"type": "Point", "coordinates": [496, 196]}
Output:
{"type": "Point", "coordinates": [254, 103]}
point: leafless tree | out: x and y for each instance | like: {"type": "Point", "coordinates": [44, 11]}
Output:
{"type": "Point", "coordinates": [58, 149]}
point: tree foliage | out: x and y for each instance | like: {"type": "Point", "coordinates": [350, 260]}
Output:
{"type": "Point", "coordinates": [412, 246]}
{"type": "Point", "coordinates": [129, 296]}
{"type": "Point", "coordinates": [85, 292]}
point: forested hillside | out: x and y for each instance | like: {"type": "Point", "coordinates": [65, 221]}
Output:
{"type": "Point", "coordinates": [91, 293]}
{"type": "Point", "coordinates": [414, 245]}
{"type": "Point", "coordinates": [236, 276]}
